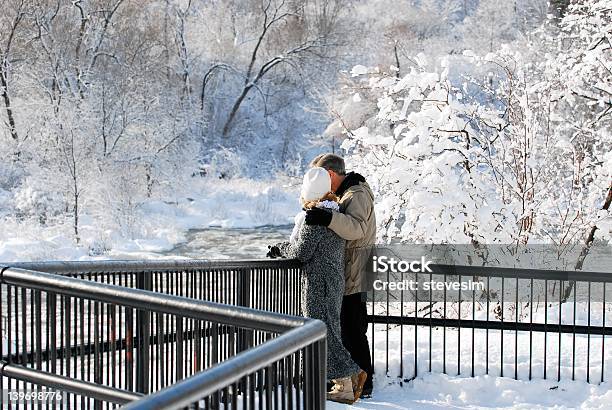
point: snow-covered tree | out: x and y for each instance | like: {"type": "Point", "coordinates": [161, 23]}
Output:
{"type": "Point", "coordinates": [521, 155]}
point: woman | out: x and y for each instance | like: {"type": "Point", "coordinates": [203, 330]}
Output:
{"type": "Point", "coordinates": [322, 252]}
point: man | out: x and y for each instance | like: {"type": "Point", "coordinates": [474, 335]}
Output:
{"type": "Point", "coordinates": [356, 224]}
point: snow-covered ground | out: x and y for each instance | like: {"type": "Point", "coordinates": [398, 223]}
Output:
{"type": "Point", "coordinates": [156, 227]}
{"type": "Point", "coordinates": [437, 391]}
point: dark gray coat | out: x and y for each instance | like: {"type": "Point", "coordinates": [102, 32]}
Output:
{"type": "Point", "coordinates": [322, 252]}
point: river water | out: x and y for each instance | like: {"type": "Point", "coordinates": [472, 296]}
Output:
{"type": "Point", "coordinates": [223, 243]}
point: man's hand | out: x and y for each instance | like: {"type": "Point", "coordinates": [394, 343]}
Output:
{"type": "Point", "coordinates": [317, 216]}
{"type": "Point", "coordinates": [274, 252]}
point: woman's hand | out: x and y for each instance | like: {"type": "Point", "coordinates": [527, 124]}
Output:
{"type": "Point", "coordinates": [273, 252]}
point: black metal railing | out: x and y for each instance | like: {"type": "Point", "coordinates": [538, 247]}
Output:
{"type": "Point", "coordinates": [104, 345]}
{"type": "Point", "coordinates": [268, 285]}
{"type": "Point", "coordinates": [272, 285]}
{"type": "Point", "coordinates": [526, 324]}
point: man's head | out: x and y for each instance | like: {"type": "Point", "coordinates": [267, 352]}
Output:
{"type": "Point", "coordinates": [334, 165]}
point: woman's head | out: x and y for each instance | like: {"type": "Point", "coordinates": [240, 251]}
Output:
{"type": "Point", "coordinates": [316, 187]}
{"type": "Point", "coordinates": [334, 165]}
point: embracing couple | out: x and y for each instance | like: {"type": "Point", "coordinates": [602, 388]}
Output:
{"type": "Point", "coordinates": [330, 235]}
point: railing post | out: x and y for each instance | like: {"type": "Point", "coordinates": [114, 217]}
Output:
{"type": "Point", "coordinates": [143, 321]}
{"type": "Point", "coordinates": [307, 378]}
{"type": "Point", "coordinates": [244, 288]}
{"type": "Point", "coordinates": [321, 375]}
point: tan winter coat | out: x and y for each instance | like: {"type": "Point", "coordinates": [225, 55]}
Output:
{"type": "Point", "coordinates": [357, 225]}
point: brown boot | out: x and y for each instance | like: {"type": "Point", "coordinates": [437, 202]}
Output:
{"type": "Point", "coordinates": [342, 391]}
{"type": "Point", "coordinates": [358, 380]}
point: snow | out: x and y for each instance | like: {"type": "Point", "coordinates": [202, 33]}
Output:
{"type": "Point", "coordinates": [161, 225]}
{"type": "Point", "coordinates": [398, 137]}
{"type": "Point", "coordinates": [359, 70]}
{"type": "Point", "coordinates": [436, 391]}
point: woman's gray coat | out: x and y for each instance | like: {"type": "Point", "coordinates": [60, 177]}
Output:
{"type": "Point", "coordinates": [322, 252]}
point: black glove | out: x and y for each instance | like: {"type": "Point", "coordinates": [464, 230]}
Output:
{"type": "Point", "coordinates": [317, 216]}
{"type": "Point", "coordinates": [274, 252]}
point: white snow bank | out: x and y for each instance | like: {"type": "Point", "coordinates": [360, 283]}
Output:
{"type": "Point", "coordinates": [26, 242]}
{"type": "Point", "coordinates": [240, 203]}
{"type": "Point", "coordinates": [156, 225]}
{"type": "Point", "coordinates": [436, 391]}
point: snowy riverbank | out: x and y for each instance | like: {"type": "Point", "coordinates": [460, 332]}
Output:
{"type": "Point", "coordinates": [155, 226]}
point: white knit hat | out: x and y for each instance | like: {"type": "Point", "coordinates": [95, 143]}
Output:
{"type": "Point", "coordinates": [316, 184]}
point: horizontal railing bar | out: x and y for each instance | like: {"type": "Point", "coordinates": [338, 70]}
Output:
{"type": "Point", "coordinates": [520, 273]}
{"type": "Point", "coordinates": [87, 389]}
{"type": "Point", "coordinates": [378, 319]}
{"type": "Point", "coordinates": [491, 325]}
{"type": "Point", "coordinates": [152, 301]}
{"type": "Point", "coordinates": [121, 344]}
{"type": "Point", "coordinates": [123, 266]}
{"type": "Point", "coordinates": [132, 266]}
{"type": "Point", "coordinates": [230, 371]}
